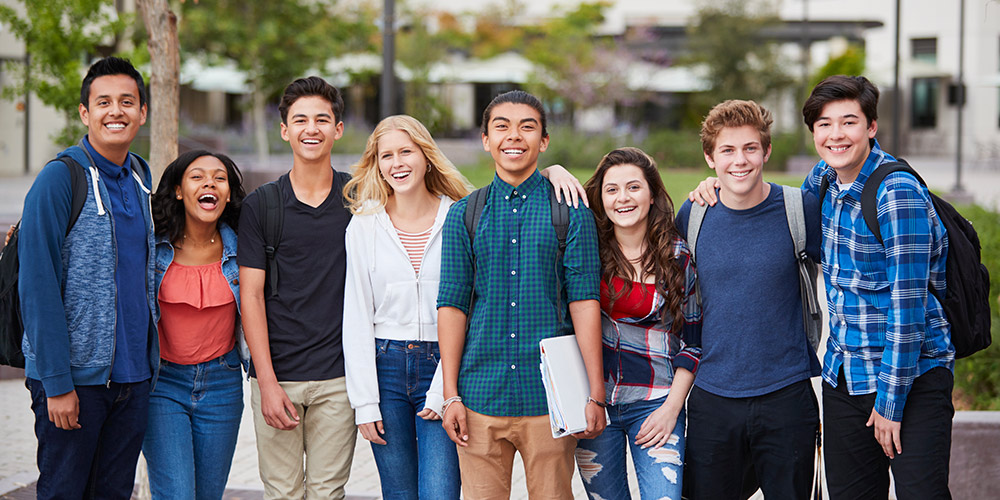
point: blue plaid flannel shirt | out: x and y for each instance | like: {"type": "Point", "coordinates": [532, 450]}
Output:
{"type": "Point", "coordinates": [515, 281]}
{"type": "Point", "coordinates": [886, 329]}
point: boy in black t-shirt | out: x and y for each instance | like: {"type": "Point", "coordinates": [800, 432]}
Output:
{"type": "Point", "coordinates": [299, 396]}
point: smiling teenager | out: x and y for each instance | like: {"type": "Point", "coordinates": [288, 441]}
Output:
{"type": "Point", "coordinates": [497, 299]}
{"type": "Point", "coordinates": [752, 408]}
{"type": "Point", "coordinates": [197, 400]}
{"type": "Point", "coordinates": [90, 342]}
{"type": "Point", "coordinates": [294, 331]}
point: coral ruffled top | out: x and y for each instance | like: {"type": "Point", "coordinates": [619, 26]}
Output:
{"type": "Point", "coordinates": [197, 314]}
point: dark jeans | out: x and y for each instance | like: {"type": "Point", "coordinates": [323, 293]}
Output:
{"type": "Point", "coordinates": [856, 466]}
{"type": "Point", "coordinates": [734, 444]}
{"type": "Point", "coordinates": [98, 459]}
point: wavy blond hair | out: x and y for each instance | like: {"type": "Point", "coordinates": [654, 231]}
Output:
{"type": "Point", "coordinates": [367, 191]}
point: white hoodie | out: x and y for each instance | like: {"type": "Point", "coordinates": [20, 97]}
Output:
{"type": "Point", "coordinates": [385, 299]}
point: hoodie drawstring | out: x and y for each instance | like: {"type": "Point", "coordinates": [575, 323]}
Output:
{"type": "Point", "coordinates": [97, 190]}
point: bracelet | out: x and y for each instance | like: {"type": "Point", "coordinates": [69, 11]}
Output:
{"type": "Point", "coordinates": [602, 404]}
{"type": "Point", "coordinates": [448, 402]}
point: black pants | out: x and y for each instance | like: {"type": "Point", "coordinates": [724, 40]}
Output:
{"type": "Point", "coordinates": [735, 444]}
{"type": "Point", "coordinates": [856, 466]}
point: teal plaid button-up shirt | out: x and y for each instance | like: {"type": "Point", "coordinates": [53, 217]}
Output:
{"type": "Point", "coordinates": [515, 281]}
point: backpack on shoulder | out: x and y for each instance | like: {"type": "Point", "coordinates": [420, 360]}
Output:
{"type": "Point", "coordinates": [560, 222]}
{"type": "Point", "coordinates": [966, 298]}
{"type": "Point", "coordinates": [812, 316]}
{"type": "Point", "coordinates": [11, 324]}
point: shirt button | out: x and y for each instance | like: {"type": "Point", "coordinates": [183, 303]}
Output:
{"type": "Point", "coordinates": [506, 197]}
{"type": "Point", "coordinates": [513, 304]}
{"type": "Point", "coordinates": [515, 210]}
{"type": "Point", "coordinates": [513, 273]}
{"type": "Point", "coordinates": [514, 241]}
{"type": "Point", "coordinates": [513, 335]}
{"type": "Point", "coordinates": [513, 367]}
{"type": "Point", "coordinates": [524, 197]}
{"type": "Point", "coordinates": [515, 192]}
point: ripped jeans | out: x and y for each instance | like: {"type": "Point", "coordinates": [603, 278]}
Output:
{"type": "Point", "coordinates": [602, 460]}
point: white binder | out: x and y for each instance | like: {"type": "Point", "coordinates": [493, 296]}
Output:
{"type": "Point", "coordinates": [566, 385]}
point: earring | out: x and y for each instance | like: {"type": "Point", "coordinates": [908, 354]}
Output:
{"type": "Point", "coordinates": [179, 197]}
{"type": "Point", "coordinates": [428, 167]}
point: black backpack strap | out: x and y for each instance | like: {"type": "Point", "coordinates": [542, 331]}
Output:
{"type": "Point", "coordinates": [869, 208]}
{"type": "Point", "coordinates": [560, 222]}
{"type": "Point", "coordinates": [824, 185]}
{"type": "Point", "coordinates": [474, 212]}
{"type": "Point", "coordinates": [78, 181]}
{"type": "Point", "coordinates": [270, 208]}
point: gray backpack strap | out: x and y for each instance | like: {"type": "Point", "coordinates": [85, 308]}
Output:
{"type": "Point", "coordinates": [812, 318]}
{"type": "Point", "coordinates": [695, 218]}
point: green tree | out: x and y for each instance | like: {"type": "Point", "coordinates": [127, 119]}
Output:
{"type": "Point", "coordinates": [273, 42]}
{"type": "Point", "coordinates": [419, 49]}
{"type": "Point", "coordinates": [850, 62]}
{"type": "Point", "coordinates": [60, 37]}
{"type": "Point", "coordinates": [726, 39]}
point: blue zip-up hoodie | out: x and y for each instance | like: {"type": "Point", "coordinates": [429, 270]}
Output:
{"type": "Point", "coordinates": [67, 282]}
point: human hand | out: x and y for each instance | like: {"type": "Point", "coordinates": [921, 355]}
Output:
{"type": "Point", "coordinates": [596, 421]}
{"type": "Point", "coordinates": [10, 232]}
{"type": "Point", "coordinates": [454, 423]}
{"type": "Point", "coordinates": [429, 414]}
{"type": "Point", "coordinates": [372, 431]}
{"type": "Point", "coordinates": [278, 410]}
{"type": "Point", "coordinates": [887, 434]}
{"type": "Point", "coordinates": [64, 410]}
{"type": "Point", "coordinates": [656, 430]}
{"type": "Point", "coordinates": [566, 185]}
{"type": "Point", "coordinates": [705, 192]}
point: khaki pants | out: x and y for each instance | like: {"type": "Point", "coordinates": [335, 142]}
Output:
{"type": "Point", "coordinates": [488, 461]}
{"type": "Point", "coordinates": [325, 435]}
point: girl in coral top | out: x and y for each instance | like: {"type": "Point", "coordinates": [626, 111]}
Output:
{"type": "Point", "coordinates": [651, 331]}
{"type": "Point", "coordinates": [197, 398]}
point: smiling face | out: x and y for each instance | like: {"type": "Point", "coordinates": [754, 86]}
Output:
{"type": "Point", "coordinates": [514, 139]}
{"type": "Point", "coordinates": [626, 197]}
{"type": "Point", "coordinates": [312, 129]}
{"type": "Point", "coordinates": [401, 162]}
{"type": "Point", "coordinates": [842, 138]}
{"type": "Point", "coordinates": [738, 160]}
{"type": "Point", "coordinates": [113, 115]}
{"type": "Point", "coordinates": [204, 190]}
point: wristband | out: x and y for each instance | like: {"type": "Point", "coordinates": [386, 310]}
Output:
{"type": "Point", "coordinates": [602, 404]}
{"type": "Point", "coordinates": [448, 402]}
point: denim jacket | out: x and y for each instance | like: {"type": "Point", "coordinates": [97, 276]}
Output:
{"type": "Point", "coordinates": [230, 270]}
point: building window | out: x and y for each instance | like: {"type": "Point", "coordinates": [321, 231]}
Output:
{"type": "Point", "coordinates": [924, 102]}
{"type": "Point", "coordinates": [924, 49]}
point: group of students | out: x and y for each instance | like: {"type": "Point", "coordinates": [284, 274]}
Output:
{"type": "Point", "coordinates": [387, 302]}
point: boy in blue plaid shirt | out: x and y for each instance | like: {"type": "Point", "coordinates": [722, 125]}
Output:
{"type": "Point", "coordinates": [888, 367]}
{"type": "Point", "coordinates": [495, 403]}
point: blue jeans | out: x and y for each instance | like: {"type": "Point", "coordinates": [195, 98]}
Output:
{"type": "Point", "coordinates": [602, 460]}
{"type": "Point", "coordinates": [98, 459]}
{"type": "Point", "coordinates": [418, 460]}
{"type": "Point", "coordinates": [194, 418]}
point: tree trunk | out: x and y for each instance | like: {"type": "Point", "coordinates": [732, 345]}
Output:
{"type": "Point", "coordinates": [164, 54]}
{"type": "Point", "coordinates": [260, 127]}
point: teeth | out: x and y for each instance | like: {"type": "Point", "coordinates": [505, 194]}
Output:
{"type": "Point", "coordinates": [624, 210]}
{"type": "Point", "coordinates": [838, 149]}
{"type": "Point", "coordinates": [310, 141]}
{"type": "Point", "coordinates": [740, 174]}
{"type": "Point", "coordinates": [115, 126]}
{"type": "Point", "coordinates": [400, 175]}
{"type": "Point", "coordinates": [208, 197]}
{"type": "Point", "coordinates": [513, 151]}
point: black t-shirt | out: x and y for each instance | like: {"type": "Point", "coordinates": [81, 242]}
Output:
{"type": "Point", "coordinates": [304, 319]}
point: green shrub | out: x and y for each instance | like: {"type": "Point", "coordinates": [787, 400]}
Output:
{"type": "Point", "coordinates": [977, 378]}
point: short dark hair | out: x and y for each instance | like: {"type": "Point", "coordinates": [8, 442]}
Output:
{"type": "Point", "coordinates": [311, 86]}
{"type": "Point", "coordinates": [111, 66]}
{"type": "Point", "coordinates": [841, 88]}
{"type": "Point", "coordinates": [514, 97]}
{"type": "Point", "coordinates": [168, 211]}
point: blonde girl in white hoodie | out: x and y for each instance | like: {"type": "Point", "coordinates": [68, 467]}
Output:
{"type": "Point", "coordinates": [400, 194]}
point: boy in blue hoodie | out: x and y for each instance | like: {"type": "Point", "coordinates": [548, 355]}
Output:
{"type": "Point", "coordinates": [90, 342]}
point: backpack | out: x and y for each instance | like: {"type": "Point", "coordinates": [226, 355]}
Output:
{"type": "Point", "coordinates": [812, 316]}
{"type": "Point", "coordinates": [11, 324]}
{"type": "Point", "coordinates": [271, 209]}
{"type": "Point", "coordinates": [966, 299]}
{"type": "Point", "coordinates": [560, 222]}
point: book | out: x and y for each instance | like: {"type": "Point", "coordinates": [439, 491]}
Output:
{"type": "Point", "coordinates": [566, 385]}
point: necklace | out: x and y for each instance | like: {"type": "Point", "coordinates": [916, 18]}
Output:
{"type": "Point", "coordinates": [212, 241]}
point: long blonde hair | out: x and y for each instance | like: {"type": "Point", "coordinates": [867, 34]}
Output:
{"type": "Point", "coordinates": [367, 191]}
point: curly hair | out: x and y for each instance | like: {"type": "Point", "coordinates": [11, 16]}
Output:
{"type": "Point", "coordinates": [735, 113]}
{"type": "Point", "coordinates": [367, 185]}
{"type": "Point", "coordinates": [168, 211]}
{"type": "Point", "coordinates": [658, 259]}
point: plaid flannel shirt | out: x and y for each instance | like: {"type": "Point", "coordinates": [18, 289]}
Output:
{"type": "Point", "coordinates": [886, 329]}
{"type": "Point", "coordinates": [515, 285]}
